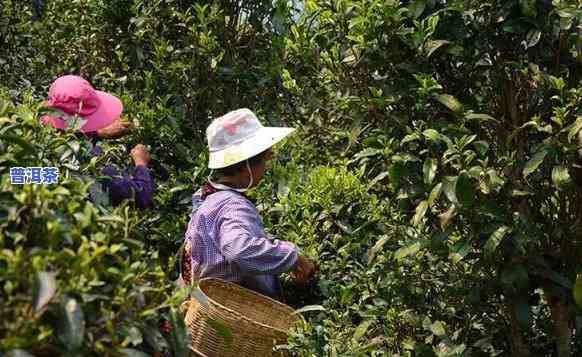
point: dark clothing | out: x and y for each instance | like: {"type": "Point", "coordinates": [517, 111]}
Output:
{"type": "Point", "coordinates": [124, 186]}
{"type": "Point", "coordinates": [138, 184]}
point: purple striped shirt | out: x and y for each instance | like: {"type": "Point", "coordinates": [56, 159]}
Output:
{"type": "Point", "coordinates": [229, 242]}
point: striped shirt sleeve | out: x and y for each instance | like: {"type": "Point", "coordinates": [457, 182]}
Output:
{"type": "Point", "coordinates": [252, 253]}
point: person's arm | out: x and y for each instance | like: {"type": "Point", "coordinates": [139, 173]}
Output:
{"type": "Point", "coordinates": [141, 184]}
{"type": "Point", "coordinates": [142, 178]}
{"type": "Point", "coordinates": [252, 254]}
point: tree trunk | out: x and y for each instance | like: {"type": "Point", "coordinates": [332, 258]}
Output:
{"type": "Point", "coordinates": [519, 347]}
{"type": "Point", "coordinates": [562, 330]}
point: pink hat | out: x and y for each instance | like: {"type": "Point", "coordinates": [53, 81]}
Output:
{"type": "Point", "coordinates": [73, 95]}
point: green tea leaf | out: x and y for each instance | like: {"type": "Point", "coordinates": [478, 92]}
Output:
{"type": "Point", "coordinates": [480, 117]}
{"type": "Point", "coordinates": [378, 178]}
{"type": "Point", "coordinates": [429, 170]}
{"type": "Point", "coordinates": [574, 128]}
{"type": "Point", "coordinates": [438, 328]}
{"type": "Point", "coordinates": [309, 308]}
{"type": "Point", "coordinates": [446, 217]}
{"type": "Point", "coordinates": [44, 289]}
{"type": "Point", "coordinates": [450, 102]}
{"type": "Point", "coordinates": [435, 194]}
{"type": "Point", "coordinates": [361, 330]}
{"type": "Point", "coordinates": [449, 187]}
{"type": "Point", "coordinates": [495, 239]}
{"type": "Point", "coordinates": [407, 250]}
{"type": "Point", "coordinates": [560, 177]}
{"type": "Point", "coordinates": [533, 37]}
{"type": "Point", "coordinates": [420, 212]}
{"type": "Point", "coordinates": [432, 135]}
{"type": "Point", "coordinates": [431, 46]}
{"type": "Point", "coordinates": [534, 162]}
{"type": "Point", "coordinates": [376, 248]}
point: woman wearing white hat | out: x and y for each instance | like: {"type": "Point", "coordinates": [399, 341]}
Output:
{"type": "Point", "coordinates": [225, 236]}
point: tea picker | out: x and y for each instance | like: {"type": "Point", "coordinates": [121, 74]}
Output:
{"type": "Point", "coordinates": [226, 248]}
{"type": "Point", "coordinates": [97, 115]}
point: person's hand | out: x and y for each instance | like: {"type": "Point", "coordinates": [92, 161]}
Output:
{"type": "Point", "coordinates": [140, 155]}
{"type": "Point", "coordinates": [305, 270]}
{"type": "Point", "coordinates": [115, 130]}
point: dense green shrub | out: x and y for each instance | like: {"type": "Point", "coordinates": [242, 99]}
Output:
{"type": "Point", "coordinates": [466, 115]}
{"type": "Point", "coordinates": [76, 277]}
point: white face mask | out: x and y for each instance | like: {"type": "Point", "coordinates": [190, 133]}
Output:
{"type": "Point", "coordinates": [220, 186]}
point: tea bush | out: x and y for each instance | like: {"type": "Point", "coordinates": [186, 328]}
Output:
{"type": "Point", "coordinates": [76, 277]}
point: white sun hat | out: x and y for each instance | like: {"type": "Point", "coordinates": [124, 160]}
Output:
{"type": "Point", "coordinates": [237, 136]}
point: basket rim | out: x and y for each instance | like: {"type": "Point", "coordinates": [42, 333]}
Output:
{"type": "Point", "coordinates": [236, 286]}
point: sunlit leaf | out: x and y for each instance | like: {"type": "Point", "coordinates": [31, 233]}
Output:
{"type": "Point", "coordinates": [309, 308]}
{"type": "Point", "coordinates": [432, 134]}
{"type": "Point", "coordinates": [438, 328]}
{"type": "Point", "coordinates": [376, 248]}
{"type": "Point", "coordinates": [560, 177]}
{"type": "Point", "coordinates": [449, 188]}
{"type": "Point", "coordinates": [480, 117]}
{"type": "Point", "coordinates": [435, 194]}
{"type": "Point", "coordinates": [534, 162]}
{"type": "Point", "coordinates": [450, 102]}
{"type": "Point", "coordinates": [574, 128]}
{"type": "Point", "coordinates": [409, 138]}
{"type": "Point", "coordinates": [420, 212]}
{"type": "Point", "coordinates": [361, 330]}
{"type": "Point", "coordinates": [460, 251]}
{"type": "Point", "coordinates": [407, 250]}
{"type": "Point", "coordinates": [481, 146]}
{"type": "Point", "coordinates": [446, 217]}
{"type": "Point", "coordinates": [429, 170]}
{"type": "Point", "coordinates": [431, 46]}
{"type": "Point", "coordinates": [533, 37]}
{"type": "Point", "coordinates": [378, 178]}
{"type": "Point", "coordinates": [495, 239]}
{"type": "Point", "coordinates": [44, 289]}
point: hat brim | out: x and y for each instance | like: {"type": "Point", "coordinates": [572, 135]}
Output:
{"type": "Point", "coordinates": [109, 110]}
{"type": "Point", "coordinates": [265, 138]}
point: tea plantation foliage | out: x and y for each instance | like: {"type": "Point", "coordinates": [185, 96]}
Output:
{"type": "Point", "coordinates": [436, 176]}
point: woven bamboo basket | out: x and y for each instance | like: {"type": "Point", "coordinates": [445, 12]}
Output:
{"type": "Point", "coordinates": [256, 323]}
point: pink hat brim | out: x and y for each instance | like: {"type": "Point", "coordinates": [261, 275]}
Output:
{"type": "Point", "coordinates": [107, 113]}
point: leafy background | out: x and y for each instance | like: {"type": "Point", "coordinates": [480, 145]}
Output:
{"type": "Point", "coordinates": [435, 176]}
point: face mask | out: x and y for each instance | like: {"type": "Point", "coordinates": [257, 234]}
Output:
{"type": "Point", "coordinates": [220, 186]}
